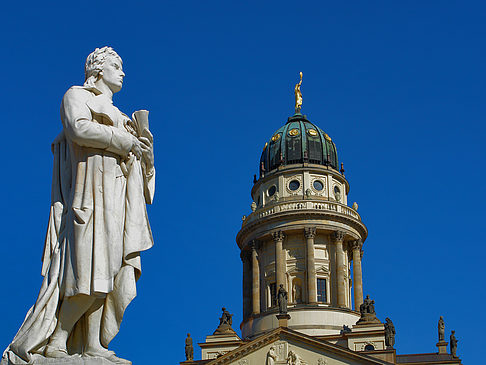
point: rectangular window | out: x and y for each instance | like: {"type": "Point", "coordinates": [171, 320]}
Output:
{"type": "Point", "coordinates": [273, 294]}
{"type": "Point", "coordinates": [321, 291]}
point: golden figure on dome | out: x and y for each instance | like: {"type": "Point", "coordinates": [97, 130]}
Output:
{"type": "Point", "coordinates": [298, 96]}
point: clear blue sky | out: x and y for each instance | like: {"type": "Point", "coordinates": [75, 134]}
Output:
{"type": "Point", "coordinates": [399, 86]}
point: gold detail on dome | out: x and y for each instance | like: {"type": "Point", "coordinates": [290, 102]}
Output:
{"type": "Point", "coordinates": [276, 137]}
{"type": "Point", "coordinates": [298, 96]}
{"type": "Point", "coordinates": [327, 137]}
{"type": "Point", "coordinates": [312, 132]}
{"type": "Point", "coordinates": [294, 132]}
{"type": "Point", "coordinates": [265, 147]}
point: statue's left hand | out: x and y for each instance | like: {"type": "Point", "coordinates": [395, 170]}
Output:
{"type": "Point", "coordinates": [147, 151]}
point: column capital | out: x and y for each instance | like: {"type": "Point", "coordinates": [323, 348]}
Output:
{"type": "Point", "coordinates": [338, 236]}
{"type": "Point", "coordinates": [310, 232]}
{"type": "Point", "coordinates": [356, 245]}
{"type": "Point", "coordinates": [278, 236]}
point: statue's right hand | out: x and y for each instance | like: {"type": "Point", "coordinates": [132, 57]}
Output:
{"type": "Point", "coordinates": [136, 147]}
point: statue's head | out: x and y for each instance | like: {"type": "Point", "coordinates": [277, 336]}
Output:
{"type": "Point", "coordinates": [104, 65]}
{"type": "Point", "coordinates": [441, 317]}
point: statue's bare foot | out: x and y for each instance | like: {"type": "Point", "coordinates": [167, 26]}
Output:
{"type": "Point", "coordinates": [55, 351]}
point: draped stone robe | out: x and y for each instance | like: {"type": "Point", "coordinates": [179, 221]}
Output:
{"type": "Point", "coordinates": [98, 223]}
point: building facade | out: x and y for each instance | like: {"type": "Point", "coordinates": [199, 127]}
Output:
{"type": "Point", "coordinates": [301, 251]}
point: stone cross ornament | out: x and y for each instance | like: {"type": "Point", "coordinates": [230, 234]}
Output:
{"type": "Point", "coordinates": [91, 262]}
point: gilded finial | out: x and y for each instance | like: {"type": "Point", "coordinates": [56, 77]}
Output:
{"type": "Point", "coordinates": [298, 96]}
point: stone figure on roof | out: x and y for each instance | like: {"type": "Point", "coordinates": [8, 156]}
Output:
{"type": "Point", "coordinates": [226, 317]}
{"type": "Point", "coordinates": [367, 311]}
{"type": "Point", "coordinates": [225, 323]}
{"type": "Point", "coordinates": [103, 178]}
{"type": "Point", "coordinates": [453, 343]}
{"type": "Point", "coordinates": [367, 306]}
{"type": "Point", "coordinates": [189, 349]}
{"type": "Point", "coordinates": [441, 329]}
{"type": "Point", "coordinates": [389, 333]}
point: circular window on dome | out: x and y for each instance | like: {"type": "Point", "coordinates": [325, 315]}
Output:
{"type": "Point", "coordinates": [337, 193]}
{"type": "Point", "coordinates": [276, 137]}
{"type": "Point", "coordinates": [312, 132]}
{"type": "Point", "coordinates": [318, 185]}
{"type": "Point", "coordinates": [272, 190]}
{"type": "Point", "coordinates": [294, 132]}
{"type": "Point", "coordinates": [294, 185]}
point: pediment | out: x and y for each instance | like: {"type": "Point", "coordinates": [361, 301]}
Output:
{"type": "Point", "coordinates": [287, 347]}
{"type": "Point", "coordinates": [322, 270]}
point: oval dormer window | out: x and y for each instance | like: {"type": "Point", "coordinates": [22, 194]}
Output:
{"type": "Point", "coordinates": [318, 185]}
{"type": "Point", "coordinates": [294, 185]}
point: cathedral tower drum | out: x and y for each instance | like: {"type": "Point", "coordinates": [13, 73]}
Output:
{"type": "Point", "coordinates": [302, 234]}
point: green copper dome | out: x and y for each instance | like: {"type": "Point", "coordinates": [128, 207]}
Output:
{"type": "Point", "coordinates": [298, 141]}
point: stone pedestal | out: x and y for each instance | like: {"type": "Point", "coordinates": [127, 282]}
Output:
{"type": "Point", "coordinates": [283, 320]}
{"type": "Point", "coordinates": [442, 346]}
{"type": "Point", "coordinates": [72, 360]}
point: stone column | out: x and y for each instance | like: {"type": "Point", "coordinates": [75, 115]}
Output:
{"type": "Point", "coordinates": [310, 233]}
{"type": "Point", "coordinates": [340, 269]}
{"type": "Point", "coordinates": [246, 284]}
{"type": "Point", "coordinates": [255, 270]}
{"type": "Point", "coordinates": [357, 275]}
{"type": "Point", "coordinates": [278, 238]}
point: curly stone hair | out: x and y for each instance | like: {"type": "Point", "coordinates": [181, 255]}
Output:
{"type": "Point", "coordinates": [95, 62]}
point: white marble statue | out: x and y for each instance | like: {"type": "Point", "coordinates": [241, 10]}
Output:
{"type": "Point", "coordinates": [103, 178]}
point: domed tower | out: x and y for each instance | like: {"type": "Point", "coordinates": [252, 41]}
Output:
{"type": "Point", "coordinates": [302, 234]}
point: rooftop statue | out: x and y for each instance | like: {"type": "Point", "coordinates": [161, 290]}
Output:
{"type": "Point", "coordinates": [367, 311]}
{"type": "Point", "coordinates": [225, 323]}
{"type": "Point", "coordinates": [453, 343]}
{"type": "Point", "coordinates": [189, 349]}
{"type": "Point", "coordinates": [389, 333]}
{"type": "Point", "coordinates": [103, 178]}
{"type": "Point", "coordinates": [441, 329]}
{"type": "Point", "coordinates": [298, 96]}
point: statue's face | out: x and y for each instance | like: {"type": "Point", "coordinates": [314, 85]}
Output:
{"type": "Point", "coordinates": [113, 74]}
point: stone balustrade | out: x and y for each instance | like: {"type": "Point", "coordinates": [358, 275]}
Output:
{"type": "Point", "coordinates": [312, 205]}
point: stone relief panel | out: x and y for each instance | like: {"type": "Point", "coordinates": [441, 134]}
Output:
{"type": "Point", "coordinates": [322, 361]}
{"type": "Point", "coordinates": [294, 359]}
{"type": "Point", "coordinates": [244, 362]}
{"type": "Point", "coordinates": [281, 350]}
{"type": "Point", "coordinates": [321, 253]}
